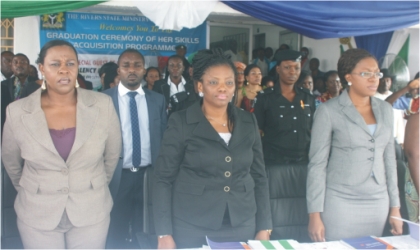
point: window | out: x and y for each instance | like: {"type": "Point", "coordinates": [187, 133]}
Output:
{"type": "Point", "coordinates": [7, 27]}
{"type": "Point", "coordinates": [231, 37]}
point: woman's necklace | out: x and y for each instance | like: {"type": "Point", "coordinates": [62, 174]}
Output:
{"type": "Point", "coordinates": [211, 118]}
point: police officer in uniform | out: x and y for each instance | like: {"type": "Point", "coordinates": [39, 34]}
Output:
{"type": "Point", "coordinates": [183, 100]}
{"type": "Point", "coordinates": [285, 114]}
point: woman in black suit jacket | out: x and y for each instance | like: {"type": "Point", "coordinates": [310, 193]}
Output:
{"type": "Point", "coordinates": [210, 176]}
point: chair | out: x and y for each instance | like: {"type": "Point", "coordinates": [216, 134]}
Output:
{"type": "Point", "coordinates": [287, 185]}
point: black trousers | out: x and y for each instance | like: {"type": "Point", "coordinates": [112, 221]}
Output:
{"type": "Point", "coordinates": [281, 159]}
{"type": "Point", "coordinates": [128, 208]}
{"type": "Point", "coordinates": [187, 235]}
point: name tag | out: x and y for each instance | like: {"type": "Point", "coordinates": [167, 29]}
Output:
{"type": "Point", "coordinates": [282, 107]}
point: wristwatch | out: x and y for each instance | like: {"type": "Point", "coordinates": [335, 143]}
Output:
{"type": "Point", "coordinates": [162, 236]}
{"type": "Point", "coordinates": [269, 231]}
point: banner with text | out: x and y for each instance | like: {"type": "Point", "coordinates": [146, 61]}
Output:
{"type": "Point", "coordinates": [100, 38]}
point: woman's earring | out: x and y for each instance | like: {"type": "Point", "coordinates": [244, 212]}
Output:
{"type": "Point", "coordinates": [349, 83]}
{"type": "Point", "coordinates": [77, 84]}
{"type": "Point", "coordinates": [200, 94]}
{"type": "Point", "coordinates": [43, 86]}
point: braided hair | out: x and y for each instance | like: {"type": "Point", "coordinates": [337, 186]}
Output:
{"type": "Point", "coordinates": [348, 61]}
{"type": "Point", "coordinates": [205, 59]}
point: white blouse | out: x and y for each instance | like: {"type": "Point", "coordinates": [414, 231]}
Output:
{"type": "Point", "coordinates": [226, 137]}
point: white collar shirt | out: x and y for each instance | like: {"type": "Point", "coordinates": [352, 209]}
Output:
{"type": "Point", "coordinates": [174, 88]}
{"type": "Point", "coordinates": [125, 118]}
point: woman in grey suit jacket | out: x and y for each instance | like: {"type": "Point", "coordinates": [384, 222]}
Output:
{"type": "Point", "coordinates": [210, 176]}
{"type": "Point", "coordinates": [60, 149]}
{"type": "Point", "coordinates": [352, 174]}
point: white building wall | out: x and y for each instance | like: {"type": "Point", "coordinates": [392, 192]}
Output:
{"type": "Point", "coordinates": [26, 37]}
{"type": "Point", "coordinates": [272, 34]}
{"type": "Point", "coordinates": [326, 50]}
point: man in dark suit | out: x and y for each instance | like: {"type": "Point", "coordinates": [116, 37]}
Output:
{"type": "Point", "coordinates": [5, 101]}
{"type": "Point", "coordinates": [142, 114]}
{"type": "Point", "coordinates": [19, 86]}
{"type": "Point", "coordinates": [6, 65]}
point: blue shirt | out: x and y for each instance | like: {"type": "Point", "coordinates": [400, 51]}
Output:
{"type": "Point", "coordinates": [372, 128]}
{"type": "Point", "coordinates": [402, 103]}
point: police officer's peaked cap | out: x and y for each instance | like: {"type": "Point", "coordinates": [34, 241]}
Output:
{"type": "Point", "coordinates": [287, 55]}
{"type": "Point", "coordinates": [180, 46]}
{"type": "Point", "coordinates": [387, 74]}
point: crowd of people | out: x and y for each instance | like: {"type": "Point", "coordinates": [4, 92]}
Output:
{"type": "Point", "coordinates": [203, 136]}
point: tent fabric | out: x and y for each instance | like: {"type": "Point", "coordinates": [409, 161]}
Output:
{"type": "Point", "coordinates": [398, 39]}
{"type": "Point", "coordinates": [333, 19]}
{"type": "Point", "coordinates": [404, 52]}
{"type": "Point", "coordinates": [12, 9]}
{"type": "Point", "coordinates": [166, 14]}
{"type": "Point", "coordinates": [376, 44]}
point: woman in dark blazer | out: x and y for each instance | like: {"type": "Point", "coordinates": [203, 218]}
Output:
{"type": "Point", "coordinates": [352, 173]}
{"type": "Point", "coordinates": [210, 176]}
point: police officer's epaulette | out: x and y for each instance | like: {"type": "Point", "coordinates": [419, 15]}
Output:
{"type": "Point", "coordinates": [305, 90]}
{"type": "Point", "coordinates": [266, 91]}
{"type": "Point", "coordinates": [179, 97]}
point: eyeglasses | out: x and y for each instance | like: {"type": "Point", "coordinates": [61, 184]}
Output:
{"type": "Point", "coordinates": [368, 75]}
